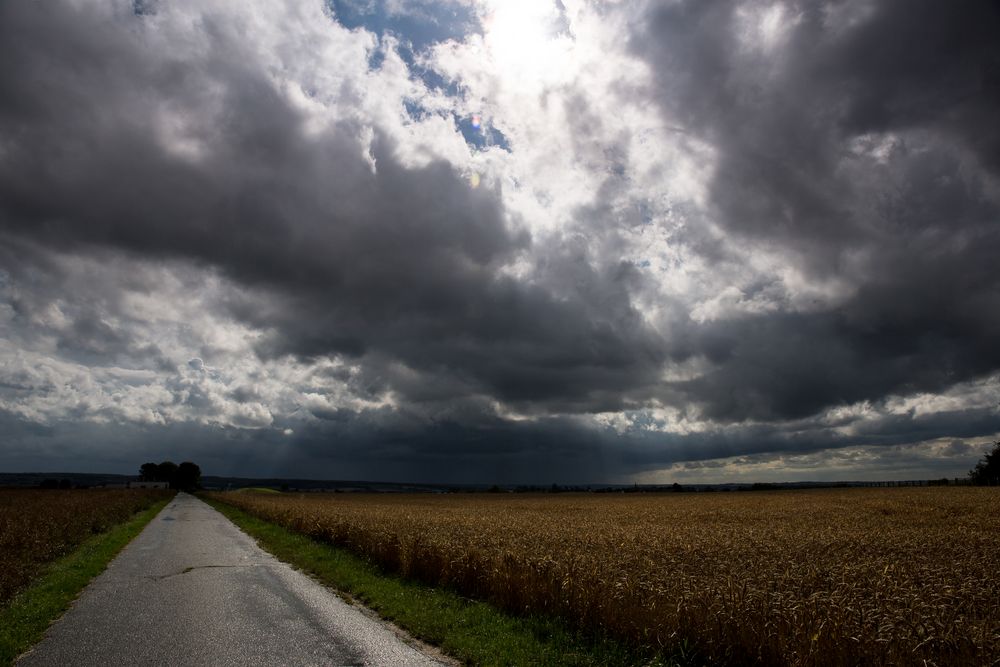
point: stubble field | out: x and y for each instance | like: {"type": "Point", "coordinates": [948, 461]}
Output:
{"type": "Point", "coordinates": [38, 526]}
{"type": "Point", "coordinates": [826, 577]}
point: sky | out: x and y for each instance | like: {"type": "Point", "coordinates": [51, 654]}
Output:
{"type": "Point", "coordinates": [517, 241]}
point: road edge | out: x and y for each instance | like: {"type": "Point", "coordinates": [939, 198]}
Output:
{"type": "Point", "coordinates": [239, 519]}
{"type": "Point", "coordinates": [25, 620]}
{"type": "Point", "coordinates": [459, 629]}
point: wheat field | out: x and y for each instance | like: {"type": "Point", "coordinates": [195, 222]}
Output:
{"type": "Point", "coordinates": [38, 526]}
{"type": "Point", "coordinates": [907, 576]}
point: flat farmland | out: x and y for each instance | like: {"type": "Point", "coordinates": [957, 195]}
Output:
{"type": "Point", "coordinates": [38, 526]}
{"type": "Point", "coordinates": [901, 576]}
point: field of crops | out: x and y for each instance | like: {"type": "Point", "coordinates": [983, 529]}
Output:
{"type": "Point", "coordinates": [38, 526]}
{"type": "Point", "coordinates": [827, 577]}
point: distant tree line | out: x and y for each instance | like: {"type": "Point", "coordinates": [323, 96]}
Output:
{"type": "Point", "coordinates": [987, 471]}
{"type": "Point", "coordinates": [186, 476]}
{"type": "Point", "coordinates": [56, 484]}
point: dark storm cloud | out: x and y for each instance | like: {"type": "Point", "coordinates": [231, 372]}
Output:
{"type": "Point", "coordinates": [467, 442]}
{"type": "Point", "coordinates": [124, 446]}
{"type": "Point", "coordinates": [342, 253]}
{"type": "Point", "coordinates": [91, 325]}
{"type": "Point", "coordinates": [862, 144]}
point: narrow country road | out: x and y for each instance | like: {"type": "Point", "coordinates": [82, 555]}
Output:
{"type": "Point", "coordinates": [193, 589]}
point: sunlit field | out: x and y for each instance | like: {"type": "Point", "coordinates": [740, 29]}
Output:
{"type": "Point", "coordinates": [825, 577]}
{"type": "Point", "coordinates": [38, 526]}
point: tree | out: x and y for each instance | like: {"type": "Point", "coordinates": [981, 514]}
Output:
{"type": "Point", "coordinates": [167, 472]}
{"type": "Point", "coordinates": [188, 476]}
{"type": "Point", "coordinates": [987, 471]}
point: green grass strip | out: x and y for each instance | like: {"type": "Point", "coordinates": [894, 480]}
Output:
{"type": "Point", "coordinates": [474, 632]}
{"type": "Point", "coordinates": [24, 620]}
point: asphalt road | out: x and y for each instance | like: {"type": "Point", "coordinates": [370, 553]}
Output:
{"type": "Point", "coordinates": [193, 589]}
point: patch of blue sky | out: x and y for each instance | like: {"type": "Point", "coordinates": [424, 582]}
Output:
{"type": "Point", "coordinates": [480, 134]}
{"type": "Point", "coordinates": [415, 110]}
{"type": "Point", "coordinates": [144, 7]}
{"type": "Point", "coordinates": [417, 25]}
{"type": "Point", "coordinates": [376, 57]}
{"type": "Point", "coordinates": [434, 80]}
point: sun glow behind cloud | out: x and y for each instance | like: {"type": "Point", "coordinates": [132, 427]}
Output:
{"type": "Point", "coordinates": [525, 44]}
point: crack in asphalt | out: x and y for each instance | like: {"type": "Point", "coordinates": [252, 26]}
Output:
{"type": "Point", "coordinates": [192, 568]}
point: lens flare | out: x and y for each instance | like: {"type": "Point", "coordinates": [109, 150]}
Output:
{"type": "Point", "coordinates": [477, 120]}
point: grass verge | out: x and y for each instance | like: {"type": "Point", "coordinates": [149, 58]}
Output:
{"type": "Point", "coordinates": [473, 632]}
{"type": "Point", "coordinates": [24, 620]}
